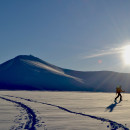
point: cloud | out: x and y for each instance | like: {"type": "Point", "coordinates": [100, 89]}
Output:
{"type": "Point", "coordinates": [100, 53]}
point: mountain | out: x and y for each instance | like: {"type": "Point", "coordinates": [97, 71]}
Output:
{"type": "Point", "coordinates": [31, 73]}
{"type": "Point", "coordinates": [26, 72]}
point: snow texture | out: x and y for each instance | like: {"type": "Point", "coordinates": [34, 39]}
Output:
{"type": "Point", "coordinates": [64, 110]}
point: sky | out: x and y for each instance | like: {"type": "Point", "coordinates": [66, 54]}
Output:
{"type": "Point", "coordinates": [85, 35]}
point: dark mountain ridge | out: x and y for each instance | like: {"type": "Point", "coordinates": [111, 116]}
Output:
{"type": "Point", "coordinates": [26, 72]}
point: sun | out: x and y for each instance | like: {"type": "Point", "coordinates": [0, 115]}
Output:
{"type": "Point", "coordinates": [126, 55]}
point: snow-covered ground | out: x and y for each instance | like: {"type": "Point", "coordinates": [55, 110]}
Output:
{"type": "Point", "coordinates": [45, 110]}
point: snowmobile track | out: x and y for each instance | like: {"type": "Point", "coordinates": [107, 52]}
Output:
{"type": "Point", "coordinates": [30, 124]}
{"type": "Point", "coordinates": [113, 125]}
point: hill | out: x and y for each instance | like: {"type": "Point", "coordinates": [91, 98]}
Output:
{"type": "Point", "coordinates": [26, 72]}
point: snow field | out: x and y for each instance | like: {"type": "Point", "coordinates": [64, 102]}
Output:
{"type": "Point", "coordinates": [69, 110]}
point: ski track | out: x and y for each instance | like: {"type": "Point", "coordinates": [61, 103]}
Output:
{"type": "Point", "coordinates": [30, 124]}
{"type": "Point", "coordinates": [113, 125]}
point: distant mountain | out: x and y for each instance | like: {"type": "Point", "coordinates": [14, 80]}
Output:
{"type": "Point", "coordinates": [31, 73]}
{"type": "Point", "coordinates": [26, 72]}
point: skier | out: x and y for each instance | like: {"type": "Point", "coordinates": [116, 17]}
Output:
{"type": "Point", "coordinates": [118, 91]}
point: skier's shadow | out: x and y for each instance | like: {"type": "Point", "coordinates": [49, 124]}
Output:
{"type": "Point", "coordinates": [112, 106]}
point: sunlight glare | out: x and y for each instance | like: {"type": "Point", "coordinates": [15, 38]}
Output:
{"type": "Point", "coordinates": [126, 55]}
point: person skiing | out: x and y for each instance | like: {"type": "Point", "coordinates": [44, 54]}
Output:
{"type": "Point", "coordinates": [118, 91]}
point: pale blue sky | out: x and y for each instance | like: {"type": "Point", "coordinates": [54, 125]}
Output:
{"type": "Point", "coordinates": [75, 34]}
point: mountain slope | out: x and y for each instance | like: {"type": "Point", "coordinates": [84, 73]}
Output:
{"type": "Point", "coordinates": [31, 73]}
{"type": "Point", "coordinates": [103, 81]}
